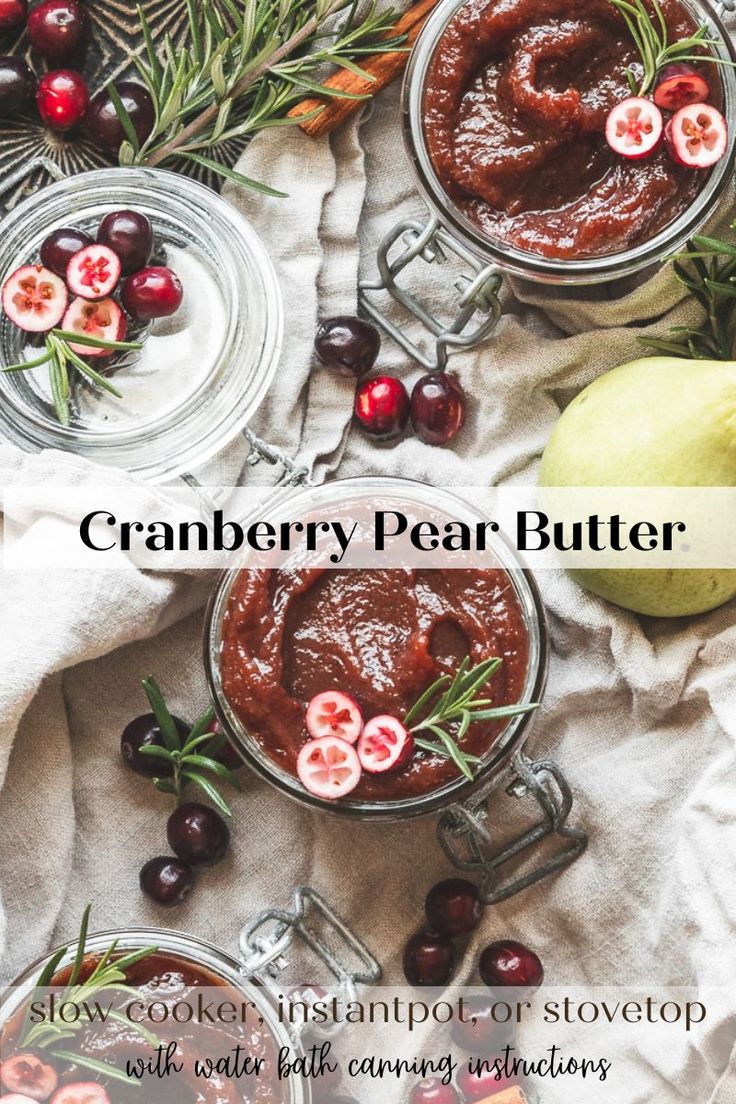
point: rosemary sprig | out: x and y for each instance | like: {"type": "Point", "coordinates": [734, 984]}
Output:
{"type": "Point", "coordinates": [648, 28]}
{"type": "Point", "coordinates": [452, 703]}
{"type": "Point", "coordinates": [708, 271]}
{"type": "Point", "coordinates": [244, 66]}
{"type": "Point", "coordinates": [60, 357]}
{"type": "Point", "coordinates": [189, 760]}
{"type": "Point", "coordinates": [108, 975]}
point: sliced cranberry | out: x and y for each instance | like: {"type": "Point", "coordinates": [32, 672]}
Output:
{"type": "Point", "coordinates": [80, 1092]}
{"type": "Point", "coordinates": [334, 714]}
{"type": "Point", "coordinates": [34, 298]}
{"type": "Point", "coordinates": [485, 1083]}
{"type": "Point", "coordinates": [429, 959]}
{"type": "Point", "coordinates": [152, 293]}
{"type": "Point", "coordinates": [94, 272]}
{"type": "Point", "coordinates": [60, 246]}
{"type": "Point", "coordinates": [432, 1091]}
{"type": "Point", "coordinates": [329, 767]}
{"type": "Point", "coordinates": [16, 1098]}
{"type": "Point", "coordinates": [382, 407]}
{"type": "Point", "coordinates": [27, 1074]}
{"type": "Point", "coordinates": [453, 907]}
{"type": "Point", "coordinates": [510, 963]}
{"type": "Point", "coordinates": [634, 128]}
{"type": "Point", "coordinates": [62, 98]}
{"type": "Point", "coordinates": [697, 136]}
{"type": "Point", "coordinates": [385, 745]}
{"type": "Point", "coordinates": [103, 319]}
{"type": "Point", "coordinates": [678, 86]}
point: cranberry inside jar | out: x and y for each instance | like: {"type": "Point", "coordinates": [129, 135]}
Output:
{"type": "Point", "coordinates": [515, 105]}
{"type": "Point", "coordinates": [382, 637]}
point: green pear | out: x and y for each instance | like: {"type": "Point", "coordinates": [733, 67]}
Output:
{"type": "Point", "coordinates": [658, 422]}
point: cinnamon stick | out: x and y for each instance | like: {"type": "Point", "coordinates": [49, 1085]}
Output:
{"type": "Point", "coordinates": [384, 68]}
{"type": "Point", "coordinates": [514, 1095]}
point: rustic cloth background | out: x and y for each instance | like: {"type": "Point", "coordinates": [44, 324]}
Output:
{"type": "Point", "coordinates": [640, 714]}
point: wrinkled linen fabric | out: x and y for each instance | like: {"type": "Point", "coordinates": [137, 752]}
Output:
{"type": "Point", "coordinates": [640, 714]}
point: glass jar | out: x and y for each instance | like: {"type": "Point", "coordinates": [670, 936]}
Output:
{"type": "Point", "coordinates": [201, 374]}
{"type": "Point", "coordinates": [348, 497]}
{"type": "Point", "coordinates": [449, 231]}
{"type": "Point", "coordinates": [213, 960]}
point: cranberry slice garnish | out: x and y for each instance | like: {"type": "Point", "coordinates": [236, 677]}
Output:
{"type": "Point", "coordinates": [81, 1092]}
{"type": "Point", "coordinates": [385, 745]}
{"type": "Point", "coordinates": [94, 272]}
{"type": "Point", "coordinates": [28, 1075]}
{"type": "Point", "coordinates": [334, 714]}
{"type": "Point", "coordinates": [634, 128]}
{"type": "Point", "coordinates": [678, 86]}
{"type": "Point", "coordinates": [697, 136]}
{"type": "Point", "coordinates": [329, 767]}
{"type": "Point", "coordinates": [34, 298]}
{"type": "Point", "coordinates": [103, 319]}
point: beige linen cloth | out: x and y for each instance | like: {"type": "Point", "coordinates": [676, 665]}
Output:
{"type": "Point", "coordinates": [641, 714]}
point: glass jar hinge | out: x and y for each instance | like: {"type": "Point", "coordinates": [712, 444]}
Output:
{"type": "Point", "coordinates": [478, 292]}
{"type": "Point", "coordinates": [467, 839]}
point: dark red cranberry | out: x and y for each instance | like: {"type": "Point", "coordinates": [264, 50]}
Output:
{"type": "Point", "coordinates": [152, 293]}
{"type": "Point", "coordinates": [382, 406]}
{"type": "Point", "coordinates": [486, 1083]}
{"type": "Point", "coordinates": [130, 235]}
{"type": "Point", "coordinates": [60, 246]}
{"type": "Point", "coordinates": [349, 346]}
{"type": "Point", "coordinates": [144, 732]}
{"type": "Point", "coordinates": [428, 959]}
{"type": "Point", "coordinates": [17, 86]}
{"type": "Point", "coordinates": [167, 880]}
{"type": "Point", "coordinates": [437, 408]}
{"type": "Point", "coordinates": [478, 1032]}
{"type": "Point", "coordinates": [453, 907]}
{"type": "Point", "coordinates": [103, 125]}
{"type": "Point", "coordinates": [12, 14]}
{"type": "Point", "coordinates": [510, 963]}
{"type": "Point", "coordinates": [432, 1091]}
{"type": "Point", "coordinates": [198, 834]}
{"type": "Point", "coordinates": [62, 99]}
{"type": "Point", "coordinates": [58, 28]}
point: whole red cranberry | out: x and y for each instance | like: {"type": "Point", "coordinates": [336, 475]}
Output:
{"type": "Point", "coordinates": [62, 99]}
{"type": "Point", "coordinates": [428, 959]}
{"type": "Point", "coordinates": [167, 880]}
{"type": "Point", "coordinates": [432, 1091]}
{"type": "Point", "coordinates": [453, 907]}
{"type": "Point", "coordinates": [382, 407]}
{"type": "Point", "coordinates": [17, 87]}
{"type": "Point", "coordinates": [58, 28]}
{"type": "Point", "coordinates": [103, 125]}
{"type": "Point", "coordinates": [349, 346]}
{"type": "Point", "coordinates": [482, 1085]}
{"type": "Point", "coordinates": [510, 963]}
{"type": "Point", "coordinates": [152, 293]}
{"type": "Point", "coordinates": [198, 834]}
{"type": "Point", "coordinates": [60, 246]}
{"type": "Point", "coordinates": [437, 408]}
{"type": "Point", "coordinates": [12, 14]}
{"type": "Point", "coordinates": [478, 1032]}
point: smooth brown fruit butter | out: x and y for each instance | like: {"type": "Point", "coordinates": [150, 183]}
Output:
{"type": "Point", "coordinates": [515, 106]}
{"type": "Point", "coordinates": [382, 636]}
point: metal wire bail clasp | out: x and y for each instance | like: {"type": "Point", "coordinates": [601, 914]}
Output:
{"type": "Point", "coordinates": [270, 943]}
{"type": "Point", "coordinates": [478, 292]}
{"type": "Point", "coordinates": [467, 839]}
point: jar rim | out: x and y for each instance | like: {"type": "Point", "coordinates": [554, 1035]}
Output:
{"type": "Point", "coordinates": [508, 743]}
{"type": "Point", "coordinates": [532, 266]}
{"type": "Point", "coordinates": [188, 435]}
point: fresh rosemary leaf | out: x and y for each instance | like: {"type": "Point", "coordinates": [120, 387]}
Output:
{"type": "Point", "coordinates": [214, 767]}
{"type": "Point", "coordinates": [161, 712]}
{"type": "Point", "coordinates": [231, 174]}
{"type": "Point", "coordinates": [201, 726]}
{"type": "Point", "coordinates": [98, 1067]}
{"type": "Point", "coordinates": [212, 793]}
{"type": "Point", "coordinates": [430, 693]}
{"type": "Point", "coordinates": [81, 945]}
{"type": "Point", "coordinates": [156, 752]}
